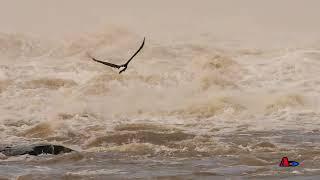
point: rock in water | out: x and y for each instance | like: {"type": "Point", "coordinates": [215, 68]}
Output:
{"type": "Point", "coordinates": [34, 149]}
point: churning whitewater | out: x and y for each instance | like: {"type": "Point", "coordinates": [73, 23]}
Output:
{"type": "Point", "coordinates": [182, 101]}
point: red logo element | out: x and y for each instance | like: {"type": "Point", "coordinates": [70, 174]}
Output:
{"type": "Point", "coordinates": [284, 162]}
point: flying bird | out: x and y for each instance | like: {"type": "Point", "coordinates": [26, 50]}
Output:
{"type": "Point", "coordinates": [122, 67]}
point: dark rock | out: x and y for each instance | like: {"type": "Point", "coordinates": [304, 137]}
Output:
{"type": "Point", "coordinates": [34, 149]}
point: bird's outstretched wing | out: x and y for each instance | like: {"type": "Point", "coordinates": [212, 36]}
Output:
{"type": "Point", "coordinates": [135, 52]}
{"type": "Point", "coordinates": [106, 63]}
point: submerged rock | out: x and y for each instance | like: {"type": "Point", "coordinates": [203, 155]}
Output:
{"type": "Point", "coordinates": [34, 149]}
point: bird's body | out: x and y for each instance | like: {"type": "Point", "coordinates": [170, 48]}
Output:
{"type": "Point", "coordinates": [122, 67]}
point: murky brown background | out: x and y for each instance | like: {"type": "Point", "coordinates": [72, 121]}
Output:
{"type": "Point", "coordinates": [220, 90]}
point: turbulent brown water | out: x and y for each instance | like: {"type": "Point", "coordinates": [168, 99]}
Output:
{"type": "Point", "coordinates": [201, 107]}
